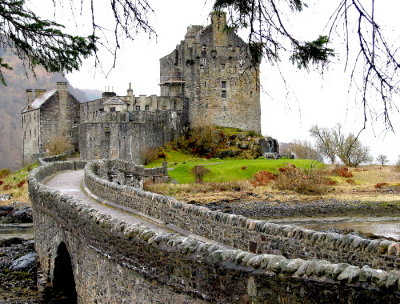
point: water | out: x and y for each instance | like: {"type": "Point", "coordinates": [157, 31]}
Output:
{"type": "Point", "coordinates": [23, 231]}
{"type": "Point", "coordinates": [380, 226]}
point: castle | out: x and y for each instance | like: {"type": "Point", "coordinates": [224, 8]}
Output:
{"type": "Point", "coordinates": [209, 79]}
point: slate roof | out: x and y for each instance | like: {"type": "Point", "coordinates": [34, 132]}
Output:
{"type": "Point", "coordinates": [38, 102]}
{"type": "Point", "coordinates": [114, 101]}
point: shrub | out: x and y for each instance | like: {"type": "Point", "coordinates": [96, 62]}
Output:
{"type": "Point", "coordinates": [380, 185]}
{"type": "Point", "coordinates": [7, 187]}
{"type": "Point", "coordinates": [302, 181]}
{"type": "Point", "coordinates": [342, 171]}
{"type": "Point", "coordinates": [58, 145]}
{"type": "Point", "coordinates": [199, 173]}
{"type": "Point", "coordinates": [243, 167]}
{"type": "Point", "coordinates": [21, 183]}
{"type": "Point", "coordinates": [350, 181]}
{"type": "Point", "coordinates": [4, 172]}
{"type": "Point", "coordinates": [263, 178]}
{"type": "Point", "coordinates": [151, 154]}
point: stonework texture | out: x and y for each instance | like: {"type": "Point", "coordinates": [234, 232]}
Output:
{"type": "Point", "coordinates": [116, 262]}
{"type": "Point", "coordinates": [212, 69]}
{"type": "Point", "coordinates": [49, 115]}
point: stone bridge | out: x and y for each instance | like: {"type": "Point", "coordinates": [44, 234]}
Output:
{"type": "Point", "coordinates": [107, 242]}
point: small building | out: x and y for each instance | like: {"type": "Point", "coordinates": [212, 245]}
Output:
{"type": "Point", "coordinates": [49, 114]}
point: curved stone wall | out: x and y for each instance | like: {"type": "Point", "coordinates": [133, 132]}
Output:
{"type": "Point", "coordinates": [247, 234]}
{"type": "Point", "coordinates": [114, 262]}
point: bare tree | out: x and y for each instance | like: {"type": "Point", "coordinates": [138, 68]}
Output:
{"type": "Point", "coordinates": [375, 65]}
{"type": "Point", "coordinates": [325, 142]}
{"type": "Point", "coordinates": [334, 143]}
{"type": "Point", "coordinates": [382, 159]}
{"type": "Point", "coordinates": [302, 149]}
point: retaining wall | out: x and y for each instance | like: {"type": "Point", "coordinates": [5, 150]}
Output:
{"type": "Point", "coordinates": [246, 234]}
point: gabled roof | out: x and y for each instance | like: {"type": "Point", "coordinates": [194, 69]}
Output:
{"type": "Point", "coordinates": [38, 102]}
{"type": "Point", "coordinates": [114, 101]}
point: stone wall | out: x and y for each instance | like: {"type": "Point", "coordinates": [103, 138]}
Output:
{"type": "Point", "coordinates": [30, 135]}
{"type": "Point", "coordinates": [114, 262]}
{"type": "Point", "coordinates": [131, 174]}
{"type": "Point", "coordinates": [128, 138]}
{"type": "Point", "coordinates": [247, 234]}
{"type": "Point", "coordinates": [212, 68]}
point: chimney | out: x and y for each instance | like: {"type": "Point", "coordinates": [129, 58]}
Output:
{"type": "Point", "coordinates": [62, 86]}
{"type": "Point", "coordinates": [130, 91]}
{"type": "Point", "coordinates": [29, 98]}
{"type": "Point", "coordinates": [218, 21]}
{"type": "Point", "coordinates": [39, 92]}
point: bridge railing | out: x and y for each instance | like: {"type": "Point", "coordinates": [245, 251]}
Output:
{"type": "Point", "coordinates": [247, 234]}
{"type": "Point", "coordinates": [206, 271]}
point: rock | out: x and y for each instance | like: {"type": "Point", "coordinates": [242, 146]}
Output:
{"type": "Point", "coordinates": [25, 262]}
{"type": "Point", "coordinates": [5, 210]}
{"type": "Point", "coordinates": [22, 215]}
{"type": "Point", "coordinates": [5, 197]}
{"type": "Point", "coordinates": [10, 242]}
{"type": "Point", "coordinates": [350, 274]}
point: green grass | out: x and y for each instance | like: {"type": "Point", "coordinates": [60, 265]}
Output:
{"type": "Point", "coordinates": [227, 170]}
{"type": "Point", "coordinates": [12, 180]}
{"type": "Point", "coordinates": [173, 157]}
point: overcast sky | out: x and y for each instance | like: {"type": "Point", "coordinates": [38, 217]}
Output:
{"type": "Point", "coordinates": [288, 111]}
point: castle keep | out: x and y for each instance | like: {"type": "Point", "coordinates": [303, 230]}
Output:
{"type": "Point", "coordinates": [212, 69]}
{"type": "Point", "coordinates": [207, 80]}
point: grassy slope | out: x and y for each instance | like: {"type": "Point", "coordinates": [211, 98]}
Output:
{"type": "Point", "coordinates": [224, 170]}
{"type": "Point", "coordinates": [12, 180]}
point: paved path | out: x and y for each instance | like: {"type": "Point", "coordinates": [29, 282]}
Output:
{"type": "Point", "coordinates": [70, 183]}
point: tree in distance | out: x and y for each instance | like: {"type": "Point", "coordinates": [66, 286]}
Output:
{"type": "Point", "coordinates": [333, 143]}
{"type": "Point", "coordinates": [302, 149]}
{"type": "Point", "coordinates": [382, 159]}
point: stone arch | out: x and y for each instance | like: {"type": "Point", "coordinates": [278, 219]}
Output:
{"type": "Point", "coordinates": [63, 275]}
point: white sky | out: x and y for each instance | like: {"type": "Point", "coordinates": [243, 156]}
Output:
{"type": "Point", "coordinates": [289, 111]}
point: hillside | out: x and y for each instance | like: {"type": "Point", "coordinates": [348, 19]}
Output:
{"type": "Point", "coordinates": [13, 101]}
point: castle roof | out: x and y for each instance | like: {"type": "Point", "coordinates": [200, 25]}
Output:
{"type": "Point", "coordinates": [39, 101]}
{"type": "Point", "coordinates": [114, 101]}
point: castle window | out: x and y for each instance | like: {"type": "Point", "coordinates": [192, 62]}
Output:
{"type": "Point", "coordinates": [112, 109]}
{"type": "Point", "coordinates": [223, 84]}
{"type": "Point", "coordinates": [137, 108]}
{"type": "Point", "coordinates": [251, 93]}
{"type": "Point", "coordinates": [223, 93]}
{"type": "Point", "coordinates": [146, 107]}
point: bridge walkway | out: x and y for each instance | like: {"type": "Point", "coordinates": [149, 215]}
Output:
{"type": "Point", "coordinates": [71, 182]}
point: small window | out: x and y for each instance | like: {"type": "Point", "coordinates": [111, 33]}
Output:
{"type": "Point", "coordinates": [251, 93]}
{"type": "Point", "coordinates": [112, 109]}
{"type": "Point", "coordinates": [146, 107]}
{"type": "Point", "coordinates": [223, 84]}
{"type": "Point", "coordinates": [137, 108]}
{"type": "Point", "coordinates": [223, 93]}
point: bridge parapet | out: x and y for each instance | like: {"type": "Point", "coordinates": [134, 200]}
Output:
{"type": "Point", "coordinates": [116, 262]}
{"type": "Point", "coordinates": [247, 234]}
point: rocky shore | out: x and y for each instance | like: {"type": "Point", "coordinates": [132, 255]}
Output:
{"type": "Point", "coordinates": [18, 268]}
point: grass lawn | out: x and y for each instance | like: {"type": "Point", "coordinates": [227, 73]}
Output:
{"type": "Point", "coordinates": [224, 170]}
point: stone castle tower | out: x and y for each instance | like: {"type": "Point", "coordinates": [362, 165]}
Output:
{"type": "Point", "coordinates": [211, 69]}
